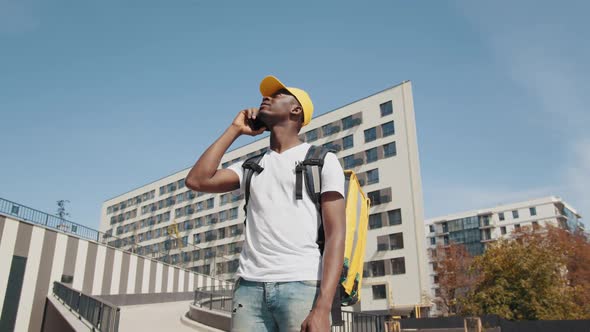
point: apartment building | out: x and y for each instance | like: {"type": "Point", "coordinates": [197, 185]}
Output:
{"type": "Point", "coordinates": [374, 136]}
{"type": "Point", "coordinates": [478, 228]}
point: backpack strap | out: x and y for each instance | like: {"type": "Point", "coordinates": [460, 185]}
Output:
{"type": "Point", "coordinates": [250, 166]}
{"type": "Point", "coordinates": [312, 166]}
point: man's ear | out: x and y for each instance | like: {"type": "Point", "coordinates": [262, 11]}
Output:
{"type": "Point", "coordinates": [297, 110]}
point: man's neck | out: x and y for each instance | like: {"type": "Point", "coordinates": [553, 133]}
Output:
{"type": "Point", "coordinates": [282, 139]}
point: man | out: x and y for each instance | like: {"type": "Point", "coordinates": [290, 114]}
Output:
{"type": "Point", "coordinates": [278, 284]}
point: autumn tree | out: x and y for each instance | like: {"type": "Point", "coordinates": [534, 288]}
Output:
{"type": "Point", "coordinates": [538, 274]}
{"type": "Point", "coordinates": [452, 263]}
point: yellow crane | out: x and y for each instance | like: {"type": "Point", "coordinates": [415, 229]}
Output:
{"type": "Point", "coordinates": [174, 235]}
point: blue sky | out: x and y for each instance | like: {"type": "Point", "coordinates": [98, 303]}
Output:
{"type": "Point", "coordinates": [99, 97]}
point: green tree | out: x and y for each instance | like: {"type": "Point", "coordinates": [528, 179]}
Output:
{"type": "Point", "coordinates": [524, 279]}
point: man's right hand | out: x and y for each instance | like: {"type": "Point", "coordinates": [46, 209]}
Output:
{"type": "Point", "coordinates": [244, 119]}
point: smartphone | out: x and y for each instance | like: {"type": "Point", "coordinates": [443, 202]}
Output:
{"type": "Point", "coordinates": [257, 124]}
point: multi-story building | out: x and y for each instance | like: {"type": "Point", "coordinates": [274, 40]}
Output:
{"type": "Point", "coordinates": [478, 228]}
{"type": "Point", "coordinates": [374, 136]}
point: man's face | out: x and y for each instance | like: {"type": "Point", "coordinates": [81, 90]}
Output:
{"type": "Point", "coordinates": [278, 105]}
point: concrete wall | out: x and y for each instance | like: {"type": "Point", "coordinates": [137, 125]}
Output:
{"type": "Point", "coordinates": [46, 254]}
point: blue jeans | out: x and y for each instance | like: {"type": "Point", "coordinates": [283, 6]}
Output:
{"type": "Point", "coordinates": [272, 306]}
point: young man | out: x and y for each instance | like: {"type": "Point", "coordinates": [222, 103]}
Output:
{"type": "Point", "coordinates": [278, 284]}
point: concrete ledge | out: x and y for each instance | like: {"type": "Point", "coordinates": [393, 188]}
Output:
{"type": "Point", "coordinates": [216, 319]}
{"type": "Point", "coordinates": [147, 298]}
{"type": "Point", "coordinates": [186, 321]}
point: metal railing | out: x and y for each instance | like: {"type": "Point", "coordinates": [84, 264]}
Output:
{"type": "Point", "coordinates": [358, 321]}
{"type": "Point", "coordinates": [102, 315]}
{"type": "Point", "coordinates": [221, 299]}
{"type": "Point", "coordinates": [217, 298]}
{"type": "Point", "coordinates": [45, 219]}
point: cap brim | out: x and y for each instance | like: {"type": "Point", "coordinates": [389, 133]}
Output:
{"type": "Point", "coordinates": [270, 85]}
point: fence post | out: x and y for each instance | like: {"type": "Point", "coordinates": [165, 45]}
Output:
{"type": "Point", "coordinates": [472, 324]}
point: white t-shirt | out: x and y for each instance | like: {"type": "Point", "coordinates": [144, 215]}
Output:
{"type": "Point", "coordinates": [281, 232]}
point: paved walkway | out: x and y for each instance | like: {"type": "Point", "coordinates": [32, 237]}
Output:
{"type": "Point", "coordinates": [155, 317]}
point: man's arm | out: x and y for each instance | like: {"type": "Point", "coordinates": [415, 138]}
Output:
{"type": "Point", "coordinates": [334, 220]}
{"type": "Point", "coordinates": [204, 176]}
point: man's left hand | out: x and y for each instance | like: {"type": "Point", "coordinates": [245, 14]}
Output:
{"type": "Point", "coordinates": [316, 321]}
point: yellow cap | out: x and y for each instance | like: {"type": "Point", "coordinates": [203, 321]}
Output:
{"type": "Point", "coordinates": [271, 84]}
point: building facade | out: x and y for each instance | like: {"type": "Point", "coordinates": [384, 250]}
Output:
{"type": "Point", "coordinates": [478, 228]}
{"type": "Point", "coordinates": [375, 137]}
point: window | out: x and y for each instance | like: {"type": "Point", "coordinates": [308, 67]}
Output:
{"type": "Point", "coordinates": [180, 183]}
{"type": "Point", "coordinates": [388, 129]}
{"type": "Point", "coordinates": [223, 199]}
{"type": "Point", "coordinates": [432, 241]}
{"type": "Point", "coordinates": [501, 216]}
{"type": "Point", "coordinates": [446, 240]}
{"type": "Point", "coordinates": [347, 142]}
{"type": "Point", "coordinates": [347, 122]}
{"type": "Point", "coordinates": [379, 292]}
{"type": "Point", "coordinates": [395, 217]}
{"type": "Point", "coordinates": [533, 211]}
{"type": "Point", "coordinates": [396, 241]}
{"type": "Point", "coordinates": [330, 129]}
{"type": "Point", "coordinates": [209, 236]}
{"type": "Point", "coordinates": [233, 213]}
{"type": "Point", "coordinates": [503, 230]}
{"type": "Point", "coordinates": [377, 268]}
{"type": "Point", "coordinates": [515, 214]}
{"type": "Point", "coordinates": [210, 202]}
{"type": "Point", "coordinates": [371, 155]}
{"type": "Point", "coordinates": [517, 227]}
{"type": "Point", "coordinates": [210, 219]}
{"type": "Point", "coordinates": [311, 135]}
{"type": "Point", "coordinates": [398, 266]}
{"type": "Point", "coordinates": [375, 221]}
{"type": "Point", "coordinates": [221, 233]}
{"type": "Point", "coordinates": [348, 162]}
{"type": "Point", "coordinates": [222, 216]}
{"type": "Point", "coordinates": [375, 197]}
{"type": "Point", "coordinates": [431, 228]}
{"type": "Point", "coordinates": [373, 176]}
{"type": "Point", "coordinates": [386, 108]}
{"type": "Point", "coordinates": [233, 230]}
{"type": "Point", "coordinates": [389, 150]}
{"type": "Point", "coordinates": [370, 134]}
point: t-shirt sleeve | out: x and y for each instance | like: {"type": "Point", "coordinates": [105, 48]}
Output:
{"type": "Point", "coordinates": [237, 168]}
{"type": "Point", "coordinates": [332, 175]}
